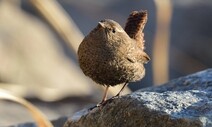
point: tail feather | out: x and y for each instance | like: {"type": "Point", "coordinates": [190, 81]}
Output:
{"type": "Point", "coordinates": [135, 25]}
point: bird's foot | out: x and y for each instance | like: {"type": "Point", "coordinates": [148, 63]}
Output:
{"type": "Point", "coordinates": [99, 105]}
{"type": "Point", "coordinates": [114, 97]}
{"type": "Point", "coordinates": [103, 103]}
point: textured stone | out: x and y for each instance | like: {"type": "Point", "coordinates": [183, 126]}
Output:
{"type": "Point", "coordinates": [184, 102]}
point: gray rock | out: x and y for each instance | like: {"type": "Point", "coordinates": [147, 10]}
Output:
{"type": "Point", "coordinates": [184, 102]}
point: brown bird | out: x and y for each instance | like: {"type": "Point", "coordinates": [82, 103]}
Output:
{"type": "Point", "coordinates": [110, 55]}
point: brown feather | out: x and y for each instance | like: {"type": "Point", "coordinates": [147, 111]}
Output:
{"type": "Point", "coordinates": [135, 25]}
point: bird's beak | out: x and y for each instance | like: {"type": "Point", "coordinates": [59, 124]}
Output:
{"type": "Point", "coordinates": [101, 24]}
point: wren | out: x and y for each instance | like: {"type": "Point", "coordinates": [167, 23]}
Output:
{"type": "Point", "coordinates": [111, 55]}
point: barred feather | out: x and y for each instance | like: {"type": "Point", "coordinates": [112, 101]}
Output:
{"type": "Point", "coordinates": [135, 25]}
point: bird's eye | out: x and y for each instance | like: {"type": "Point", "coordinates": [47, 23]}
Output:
{"type": "Point", "coordinates": [113, 30]}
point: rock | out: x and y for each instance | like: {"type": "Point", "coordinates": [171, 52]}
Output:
{"type": "Point", "coordinates": [183, 102]}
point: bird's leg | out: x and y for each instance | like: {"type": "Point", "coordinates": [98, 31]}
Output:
{"type": "Point", "coordinates": [104, 97]}
{"type": "Point", "coordinates": [119, 93]}
{"type": "Point", "coordinates": [125, 84]}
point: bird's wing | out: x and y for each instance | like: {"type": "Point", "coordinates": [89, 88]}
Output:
{"type": "Point", "coordinates": [137, 55]}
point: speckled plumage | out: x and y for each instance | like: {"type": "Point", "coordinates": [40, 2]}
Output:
{"type": "Point", "coordinates": [109, 56]}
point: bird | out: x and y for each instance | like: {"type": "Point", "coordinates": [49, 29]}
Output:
{"type": "Point", "coordinates": [111, 55]}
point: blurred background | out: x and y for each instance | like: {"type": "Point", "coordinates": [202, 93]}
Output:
{"type": "Point", "coordinates": [39, 40]}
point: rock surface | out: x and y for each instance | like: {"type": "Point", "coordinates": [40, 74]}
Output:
{"type": "Point", "coordinates": [184, 102]}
